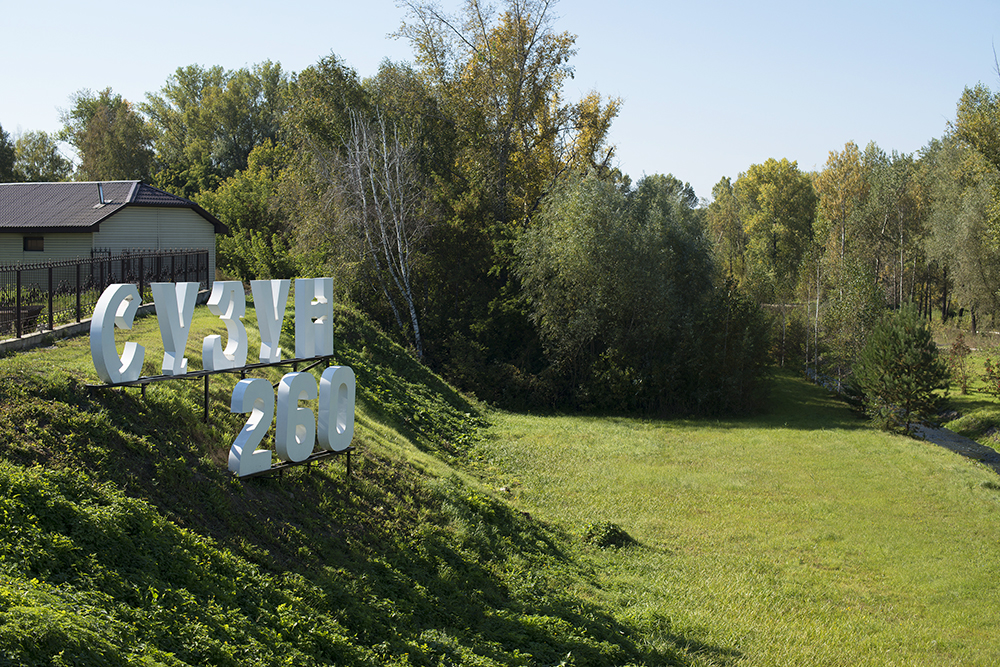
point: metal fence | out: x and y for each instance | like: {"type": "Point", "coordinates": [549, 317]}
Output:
{"type": "Point", "coordinates": [36, 297]}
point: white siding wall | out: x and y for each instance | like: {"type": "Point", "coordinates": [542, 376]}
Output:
{"type": "Point", "coordinates": [130, 229]}
{"type": "Point", "coordinates": [58, 247]}
{"type": "Point", "coordinates": [158, 229]}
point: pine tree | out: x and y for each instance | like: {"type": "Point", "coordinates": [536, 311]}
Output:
{"type": "Point", "coordinates": [900, 371]}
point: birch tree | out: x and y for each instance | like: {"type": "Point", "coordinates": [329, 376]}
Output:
{"type": "Point", "coordinates": [388, 209]}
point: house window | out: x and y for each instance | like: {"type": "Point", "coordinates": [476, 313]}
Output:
{"type": "Point", "coordinates": [34, 243]}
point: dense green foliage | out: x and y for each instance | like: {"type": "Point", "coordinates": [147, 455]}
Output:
{"type": "Point", "coordinates": [6, 156]}
{"type": "Point", "coordinates": [900, 371]}
{"type": "Point", "coordinates": [628, 304]}
{"type": "Point", "coordinates": [110, 136]}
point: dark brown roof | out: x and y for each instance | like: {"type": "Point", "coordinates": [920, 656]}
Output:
{"type": "Point", "coordinates": [75, 206]}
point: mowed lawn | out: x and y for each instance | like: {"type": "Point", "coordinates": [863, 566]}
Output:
{"type": "Point", "coordinates": [801, 537]}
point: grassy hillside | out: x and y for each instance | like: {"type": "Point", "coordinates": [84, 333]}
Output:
{"type": "Point", "coordinates": [124, 539]}
{"type": "Point", "coordinates": [800, 537]}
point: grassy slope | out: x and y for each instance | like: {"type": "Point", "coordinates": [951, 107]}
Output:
{"type": "Point", "coordinates": [123, 539]}
{"type": "Point", "coordinates": [801, 537]}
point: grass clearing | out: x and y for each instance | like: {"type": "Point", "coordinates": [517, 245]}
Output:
{"type": "Point", "coordinates": [802, 537]}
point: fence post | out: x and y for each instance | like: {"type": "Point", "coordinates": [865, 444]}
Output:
{"type": "Point", "coordinates": [79, 311]}
{"type": "Point", "coordinates": [51, 289]}
{"type": "Point", "coordinates": [173, 268]}
{"type": "Point", "coordinates": [17, 306]}
{"type": "Point", "coordinates": [142, 276]}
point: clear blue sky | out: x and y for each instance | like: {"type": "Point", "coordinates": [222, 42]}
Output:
{"type": "Point", "coordinates": [708, 87]}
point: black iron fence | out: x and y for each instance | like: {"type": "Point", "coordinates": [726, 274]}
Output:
{"type": "Point", "coordinates": [35, 297]}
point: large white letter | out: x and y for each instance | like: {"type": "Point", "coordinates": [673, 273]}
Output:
{"type": "Point", "coordinates": [174, 310]}
{"type": "Point", "coordinates": [313, 317]}
{"type": "Point", "coordinates": [269, 300]}
{"type": "Point", "coordinates": [116, 307]}
{"type": "Point", "coordinates": [295, 430]}
{"type": "Point", "coordinates": [229, 302]}
{"type": "Point", "coordinates": [337, 389]}
{"type": "Point", "coordinates": [256, 397]}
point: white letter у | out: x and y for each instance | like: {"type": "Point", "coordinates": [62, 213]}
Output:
{"type": "Point", "coordinates": [269, 299]}
{"type": "Point", "coordinates": [174, 310]}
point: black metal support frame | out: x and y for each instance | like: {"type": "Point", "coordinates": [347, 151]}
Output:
{"type": "Point", "coordinates": [279, 468]}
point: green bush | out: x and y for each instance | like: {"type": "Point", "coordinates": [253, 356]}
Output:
{"type": "Point", "coordinates": [605, 534]}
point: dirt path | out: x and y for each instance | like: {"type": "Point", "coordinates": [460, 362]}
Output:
{"type": "Point", "coordinates": [960, 445]}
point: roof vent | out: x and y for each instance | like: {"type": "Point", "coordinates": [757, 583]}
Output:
{"type": "Point", "coordinates": [100, 195]}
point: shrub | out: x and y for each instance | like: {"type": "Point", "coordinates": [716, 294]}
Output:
{"type": "Point", "coordinates": [605, 534]}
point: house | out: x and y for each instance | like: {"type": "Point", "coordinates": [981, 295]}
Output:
{"type": "Point", "coordinates": [42, 222]}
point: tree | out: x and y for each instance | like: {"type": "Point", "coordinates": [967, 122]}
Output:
{"type": "Point", "coordinates": [501, 77]}
{"type": "Point", "coordinates": [891, 222]}
{"type": "Point", "coordinates": [900, 371]}
{"type": "Point", "coordinates": [6, 157]}
{"type": "Point", "coordinates": [726, 230]}
{"type": "Point", "coordinates": [210, 120]}
{"type": "Point", "coordinates": [977, 122]}
{"type": "Point", "coordinates": [390, 210]}
{"type": "Point", "coordinates": [777, 207]}
{"type": "Point", "coordinates": [112, 140]}
{"type": "Point", "coordinates": [497, 77]}
{"type": "Point", "coordinates": [623, 290]}
{"type": "Point", "coordinates": [258, 245]}
{"type": "Point", "coordinates": [39, 159]}
{"type": "Point", "coordinates": [962, 186]}
{"type": "Point", "coordinates": [841, 190]}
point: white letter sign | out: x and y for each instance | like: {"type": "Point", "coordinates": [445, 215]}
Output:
{"type": "Point", "coordinates": [229, 302]}
{"type": "Point", "coordinates": [116, 307]}
{"type": "Point", "coordinates": [269, 299]}
{"type": "Point", "coordinates": [174, 309]}
{"type": "Point", "coordinates": [313, 317]}
{"type": "Point", "coordinates": [299, 430]}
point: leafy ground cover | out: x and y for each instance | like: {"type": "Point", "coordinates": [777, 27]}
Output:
{"type": "Point", "coordinates": [124, 539]}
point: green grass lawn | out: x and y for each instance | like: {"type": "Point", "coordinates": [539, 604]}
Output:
{"type": "Point", "coordinates": [799, 538]}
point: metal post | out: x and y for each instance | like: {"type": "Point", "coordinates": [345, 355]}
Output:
{"type": "Point", "coordinates": [206, 398]}
{"type": "Point", "coordinates": [17, 306]}
{"type": "Point", "coordinates": [51, 289]}
{"type": "Point", "coordinates": [142, 276]}
{"type": "Point", "coordinates": [79, 311]}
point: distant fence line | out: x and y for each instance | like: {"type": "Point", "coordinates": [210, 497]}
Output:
{"type": "Point", "coordinates": [41, 296]}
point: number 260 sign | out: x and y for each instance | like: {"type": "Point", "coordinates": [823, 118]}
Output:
{"type": "Point", "coordinates": [297, 429]}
